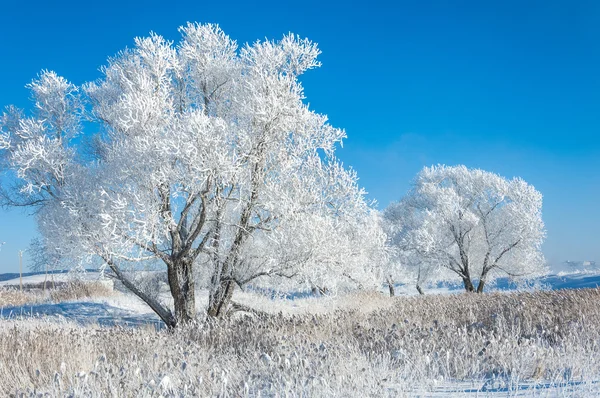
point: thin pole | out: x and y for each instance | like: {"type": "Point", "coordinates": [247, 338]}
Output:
{"type": "Point", "coordinates": [46, 277]}
{"type": "Point", "coordinates": [21, 270]}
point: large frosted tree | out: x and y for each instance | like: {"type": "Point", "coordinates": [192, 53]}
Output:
{"type": "Point", "coordinates": [471, 223]}
{"type": "Point", "coordinates": [206, 160]}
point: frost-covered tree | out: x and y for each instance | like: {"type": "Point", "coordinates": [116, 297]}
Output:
{"type": "Point", "coordinates": [40, 258]}
{"type": "Point", "coordinates": [473, 223]}
{"type": "Point", "coordinates": [207, 159]}
{"type": "Point", "coordinates": [407, 264]}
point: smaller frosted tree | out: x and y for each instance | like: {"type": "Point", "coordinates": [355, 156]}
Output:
{"type": "Point", "coordinates": [473, 223]}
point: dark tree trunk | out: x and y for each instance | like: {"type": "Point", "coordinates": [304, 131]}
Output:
{"type": "Point", "coordinates": [468, 284]}
{"type": "Point", "coordinates": [220, 299]}
{"type": "Point", "coordinates": [420, 290]}
{"type": "Point", "coordinates": [319, 291]}
{"type": "Point", "coordinates": [182, 285]}
{"type": "Point", "coordinates": [223, 287]}
{"type": "Point", "coordinates": [392, 290]}
{"type": "Point", "coordinates": [390, 283]}
{"type": "Point", "coordinates": [164, 313]}
{"type": "Point", "coordinates": [481, 285]}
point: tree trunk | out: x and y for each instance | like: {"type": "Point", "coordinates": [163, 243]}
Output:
{"type": "Point", "coordinates": [46, 278]}
{"type": "Point", "coordinates": [220, 299]}
{"type": "Point", "coordinates": [468, 284]}
{"type": "Point", "coordinates": [164, 313]}
{"type": "Point", "coordinates": [420, 290]}
{"type": "Point", "coordinates": [390, 283]}
{"type": "Point", "coordinates": [481, 285]}
{"type": "Point", "coordinates": [182, 285]}
{"type": "Point", "coordinates": [319, 291]}
{"type": "Point", "coordinates": [223, 287]}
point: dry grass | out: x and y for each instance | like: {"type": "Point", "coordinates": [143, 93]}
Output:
{"type": "Point", "coordinates": [13, 297]}
{"type": "Point", "coordinates": [78, 290]}
{"type": "Point", "coordinates": [75, 290]}
{"type": "Point", "coordinates": [398, 347]}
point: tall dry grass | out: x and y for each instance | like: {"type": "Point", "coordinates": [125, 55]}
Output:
{"type": "Point", "coordinates": [405, 346]}
{"type": "Point", "coordinates": [35, 294]}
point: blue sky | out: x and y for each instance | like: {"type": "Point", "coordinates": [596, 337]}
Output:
{"type": "Point", "coordinates": [508, 86]}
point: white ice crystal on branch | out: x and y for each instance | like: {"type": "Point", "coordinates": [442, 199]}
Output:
{"type": "Point", "coordinates": [38, 148]}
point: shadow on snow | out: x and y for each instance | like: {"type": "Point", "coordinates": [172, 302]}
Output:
{"type": "Point", "coordinates": [84, 313]}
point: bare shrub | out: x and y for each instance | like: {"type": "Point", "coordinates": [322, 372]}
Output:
{"type": "Point", "coordinates": [363, 349]}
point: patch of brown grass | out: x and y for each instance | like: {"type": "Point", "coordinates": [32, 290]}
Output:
{"type": "Point", "coordinates": [75, 290]}
{"type": "Point", "coordinates": [14, 297]}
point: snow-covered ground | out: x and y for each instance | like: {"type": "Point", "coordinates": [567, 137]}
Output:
{"type": "Point", "coordinates": [494, 388]}
{"type": "Point", "coordinates": [118, 309]}
{"type": "Point", "coordinates": [122, 310]}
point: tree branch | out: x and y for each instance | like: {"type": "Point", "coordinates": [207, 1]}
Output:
{"type": "Point", "coordinates": [164, 313]}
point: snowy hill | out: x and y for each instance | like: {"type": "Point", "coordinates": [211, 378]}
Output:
{"type": "Point", "coordinates": [576, 280]}
{"type": "Point", "coordinates": [33, 278]}
{"type": "Point", "coordinates": [15, 275]}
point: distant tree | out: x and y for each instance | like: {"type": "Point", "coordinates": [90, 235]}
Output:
{"type": "Point", "coordinates": [406, 264]}
{"type": "Point", "coordinates": [207, 159]}
{"type": "Point", "coordinates": [473, 223]}
{"type": "Point", "coordinates": [42, 260]}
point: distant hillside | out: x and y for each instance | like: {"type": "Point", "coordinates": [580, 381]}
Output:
{"type": "Point", "coordinates": [15, 275]}
{"type": "Point", "coordinates": [572, 281]}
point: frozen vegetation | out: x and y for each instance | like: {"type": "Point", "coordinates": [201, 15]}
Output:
{"type": "Point", "coordinates": [364, 344]}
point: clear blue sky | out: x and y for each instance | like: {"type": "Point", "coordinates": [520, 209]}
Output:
{"type": "Point", "coordinates": [508, 86]}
